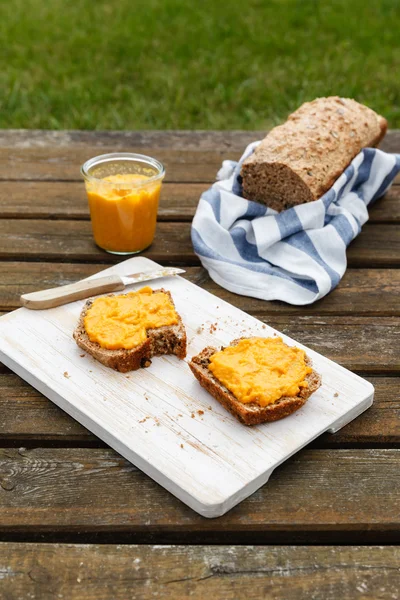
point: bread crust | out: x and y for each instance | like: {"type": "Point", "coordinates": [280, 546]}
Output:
{"type": "Point", "coordinates": [170, 339]}
{"type": "Point", "coordinates": [299, 161]}
{"type": "Point", "coordinates": [250, 414]}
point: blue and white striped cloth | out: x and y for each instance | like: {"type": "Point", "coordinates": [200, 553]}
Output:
{"type": "Point", "coordinates": [298, 255]}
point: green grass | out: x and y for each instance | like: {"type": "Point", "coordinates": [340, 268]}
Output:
{"type": "Point", "coordinates": [205, 64]}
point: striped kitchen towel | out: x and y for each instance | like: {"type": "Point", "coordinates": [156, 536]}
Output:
{"type": "Point", "coordinates": [298, 255]}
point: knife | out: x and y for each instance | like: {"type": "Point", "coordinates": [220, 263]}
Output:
{"type": "Point", "coordinates": [90, 287]}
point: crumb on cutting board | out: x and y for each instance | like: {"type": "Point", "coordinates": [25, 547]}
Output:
{"type": "Point", "coordinates": [66, 375]}
{"type": "Point", "coordinates": [200, 412]}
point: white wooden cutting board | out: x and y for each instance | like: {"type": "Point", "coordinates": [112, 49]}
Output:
{"type": "Point", "coordinates": [153, 416]}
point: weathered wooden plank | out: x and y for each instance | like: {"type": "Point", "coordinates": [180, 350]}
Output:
{"type": "Point", "coordinates": [128, 140]}
{"type": "Point", "coordinates": [59, 163]}
{"type": "Point", "coordinates": [365, 292]}
{"type": "Point", "coordinates": [21, 239]}
{"type": "Point", "coordinates": [29, 418]}
{"type": "Point", "coordinates": [376, 246]}
{"type": "Point", "coordinates": [391, 141]}
{"type": "Point", "coordinates": [67, 200]}
{"type": "Point", "coordinates": [73, 240]}
{"type": "Point", "coordinates": [105, 572]}
{"type": "Point", "coordinates": [387, 208]}
{"type": "Point", "coordinates": [316, 492]}
{"type": "Point", "coordinates": [27, 414]}
{"type": "Point", "coordinates": [171, 139]}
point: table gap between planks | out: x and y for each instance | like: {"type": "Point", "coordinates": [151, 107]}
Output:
{"type": "Point", "coordinates": [63, 491]}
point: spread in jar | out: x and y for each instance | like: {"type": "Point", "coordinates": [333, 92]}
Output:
{"type": "Point", "coordinates": [260, 370]}
{"type": "Point", "coordinates": [123, 211]}
{"type": "Point", "coordinates": [121, 322]}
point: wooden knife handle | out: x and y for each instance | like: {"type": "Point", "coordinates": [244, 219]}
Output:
{"type": "Point", "coordinates": [71, 292]}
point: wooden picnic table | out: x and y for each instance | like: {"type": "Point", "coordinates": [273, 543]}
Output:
{"type": "Point", "coordinates": [79, 521]}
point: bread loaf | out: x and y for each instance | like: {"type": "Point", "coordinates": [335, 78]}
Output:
{"type": "Point", "coordinates": [300, 160]}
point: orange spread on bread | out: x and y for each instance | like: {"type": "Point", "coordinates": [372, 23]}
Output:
{"type": "Point", "coordinates": [121, 322]}
{"type": "Point", "coordinates": [260, 370]}
{"type": "Point", "coordinates": [123, 215]}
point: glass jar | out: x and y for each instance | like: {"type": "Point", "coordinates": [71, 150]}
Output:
{"type": "Point", "coordinates": [123, 190]}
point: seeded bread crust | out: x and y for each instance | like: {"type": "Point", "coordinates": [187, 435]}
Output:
{"type": "Point", "coordinates": [300, 160]}
{"type": "Point", "coordinates": [170, 339]}
{"type": "Point", "coordinates": [250, 414]}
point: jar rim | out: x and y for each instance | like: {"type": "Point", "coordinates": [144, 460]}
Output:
{"type": "Point", "coordinates": [122, 156]}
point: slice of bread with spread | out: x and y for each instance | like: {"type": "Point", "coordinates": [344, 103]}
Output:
{"type": "Point", "coordinates": [301, 159]}
{"type": "Point", "coordinates": [164, 339]}
{"type": "Point", "coordinates": [252, 413]}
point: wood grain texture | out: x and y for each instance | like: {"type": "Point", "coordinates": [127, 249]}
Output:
{"type": "Point", "coordinates": [28, 418]}
{"type": "Point", "coordinates": [174, 140]}
{"type": "Point", "coordinates": [101, 572]}
{"type": "Point", "coordinates": [171, 139]}
{"type": "Point", "coordinates": [62, 163]}
{"type": "Point", "coordinates": [387, 208]}
{"type": "Point", "coordinates": [73, 240]}
{"type": "Point", "coordinates": [368, 344]}
{"type": "Point", "coordinates": [187, 156]}
{"type": "Point", "coordinates": [365, 292]}
{"type": "Point", "coordinates": [316, 492]}
{"type": "Point", "coordinates": [376, 246]}
{"type": "Point", "coordinates": [67, 200]}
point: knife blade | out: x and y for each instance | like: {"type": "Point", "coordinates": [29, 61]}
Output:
{"type": "Point", "coordinates": [90, 287]}
{"type": "Point", "coordinates": [148, 275]}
